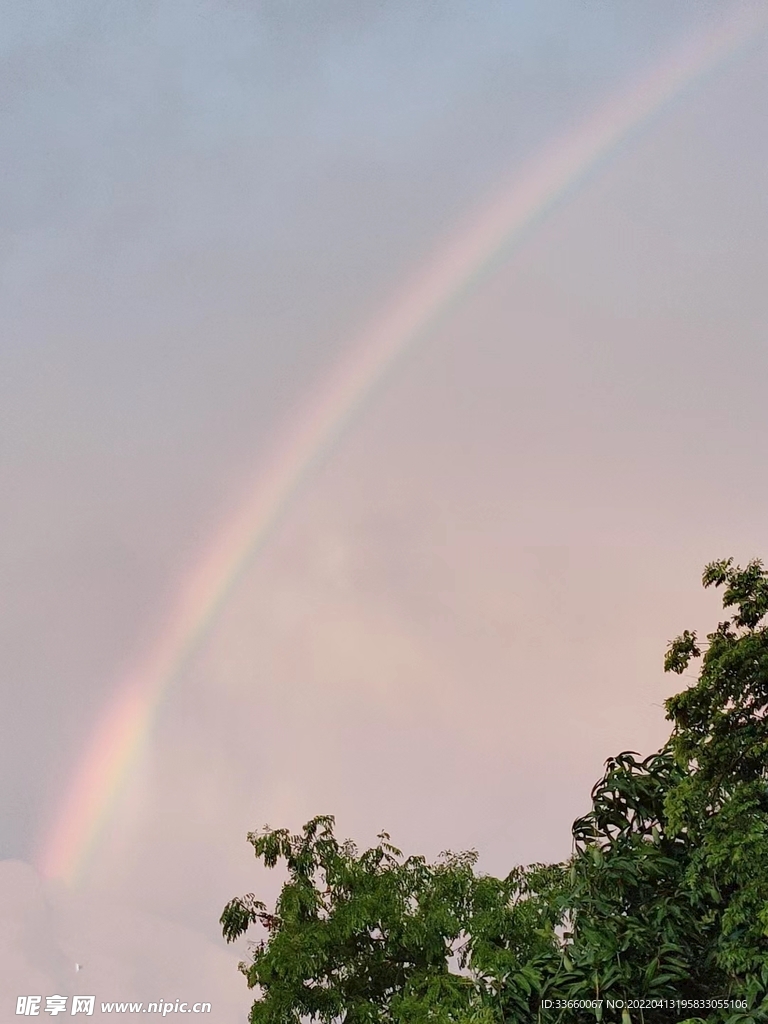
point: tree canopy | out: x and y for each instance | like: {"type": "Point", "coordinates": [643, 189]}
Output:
{"type": "Point", "coordinates": [659, 916]}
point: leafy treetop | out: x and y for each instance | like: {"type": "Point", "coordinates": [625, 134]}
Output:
{"type": "Point", "coordinates": [665, 896]}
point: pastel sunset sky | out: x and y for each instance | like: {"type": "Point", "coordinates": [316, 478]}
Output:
{"type": "Point", "coordinates": [461, 610]}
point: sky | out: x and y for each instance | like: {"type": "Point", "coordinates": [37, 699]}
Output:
{"type": "Point", "coordinates": [463, 609]}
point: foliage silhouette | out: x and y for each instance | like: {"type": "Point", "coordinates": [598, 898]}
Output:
{"type": "Point", "coordinates": [660, 915]}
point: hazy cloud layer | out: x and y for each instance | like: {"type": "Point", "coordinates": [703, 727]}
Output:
{"type": "Point", "coordinates": [58, 943]}
{"type": "Point", "coordinates": [464, 610]}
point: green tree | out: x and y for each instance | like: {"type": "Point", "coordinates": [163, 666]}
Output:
{"type": "Point", "coordinates": [665, 896]}
{"type": "Point", "coordinates": [635, 928]}
{"type": "Point", "coordinates": [720, 742]}
{"type": "Point", "coordinates": [374, 937]}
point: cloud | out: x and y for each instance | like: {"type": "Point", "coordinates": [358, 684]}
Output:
{"type": "Point", "coordinates": [126, 954]}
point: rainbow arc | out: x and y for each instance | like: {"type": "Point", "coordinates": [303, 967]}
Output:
{"type": "Point", "coordinates": [475, 250]}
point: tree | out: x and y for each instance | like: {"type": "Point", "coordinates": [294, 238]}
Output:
{"type": "Point", "coordinates": [720, 742]}
{"type": "Point", "coordinates": [377, 937]}
{"type": "Point", "coordinates": [664, 899]}
{"type": "Point", "coordinates": [636, 931]}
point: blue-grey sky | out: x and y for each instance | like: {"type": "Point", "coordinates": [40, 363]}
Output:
{"type": "Point", "coordinates": [464, 612]}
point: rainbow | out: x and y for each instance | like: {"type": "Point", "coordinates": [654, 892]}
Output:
{"type": "Point", "coordinates": [475, 250]}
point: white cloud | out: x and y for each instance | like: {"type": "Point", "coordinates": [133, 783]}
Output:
{"type": "Point", "coordinates": [126, 954]}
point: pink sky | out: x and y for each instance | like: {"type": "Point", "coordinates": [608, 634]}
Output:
{"type": "Point", "coordinates": [465, 611]}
